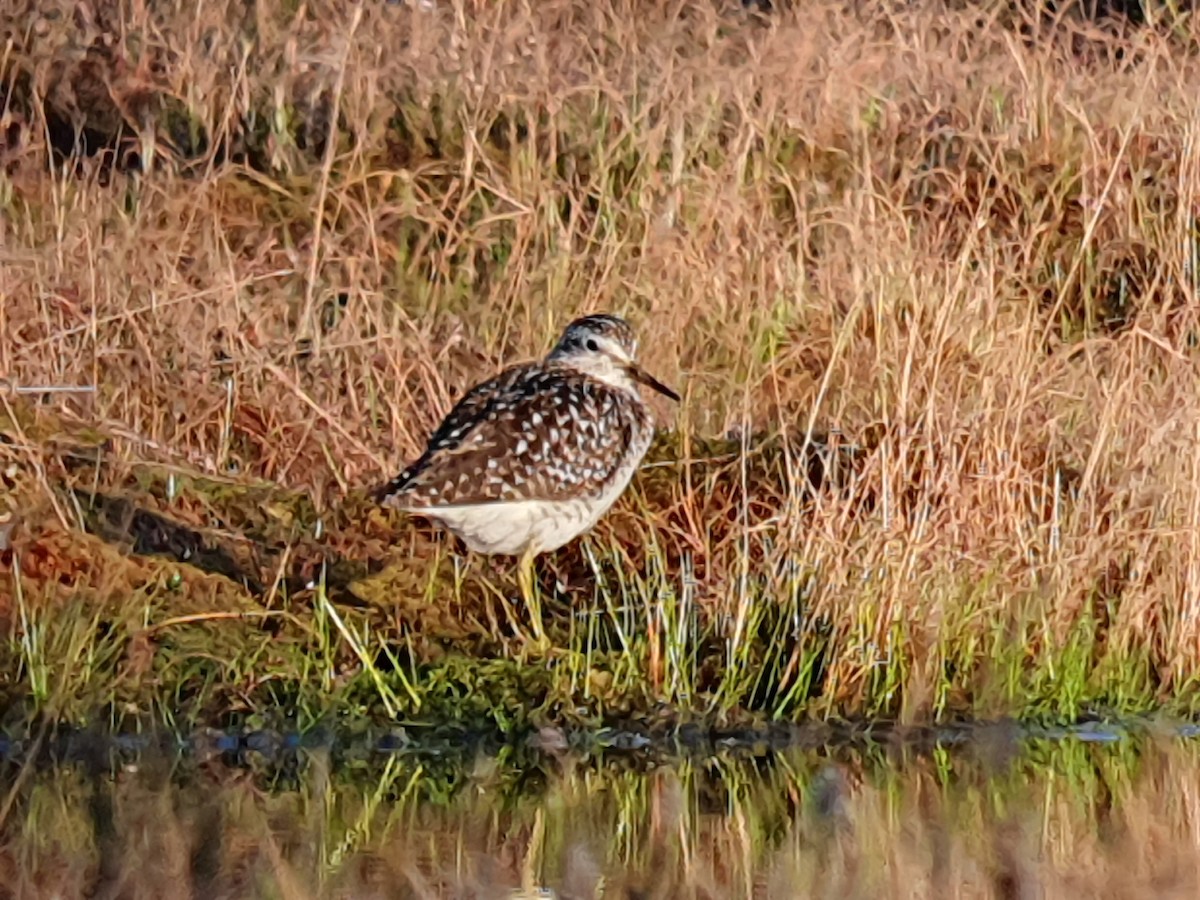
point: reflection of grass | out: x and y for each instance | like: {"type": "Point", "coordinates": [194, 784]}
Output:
{"type": "Point", "coordinates": [972, 271]}
{"type": "Point", "coordinates": [1064, 818]}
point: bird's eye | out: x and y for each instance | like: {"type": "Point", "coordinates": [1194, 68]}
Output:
{"type": "Point", "coordinates": [592, 345]}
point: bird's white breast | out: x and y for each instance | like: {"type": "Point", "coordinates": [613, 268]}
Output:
{"type": "Point", "coordinates": [511, 528]}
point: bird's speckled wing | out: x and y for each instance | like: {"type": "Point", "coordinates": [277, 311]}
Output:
{"type": "Point", "coordinates": [530, 433]}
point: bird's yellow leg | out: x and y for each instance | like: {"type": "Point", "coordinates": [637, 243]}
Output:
{"type": "Point", "coordinates": [529, 593]}
{"type": "Point", "coordinates": [510, 614]}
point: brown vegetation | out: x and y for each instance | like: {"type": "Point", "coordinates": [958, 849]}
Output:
{"type": "Point", "coordinates": [967, 249]}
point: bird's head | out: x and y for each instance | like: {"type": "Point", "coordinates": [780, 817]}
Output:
{"type": "Point", "coordinates": [605, 347]}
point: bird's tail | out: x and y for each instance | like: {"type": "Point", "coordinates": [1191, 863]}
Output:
{"type": "Point", "coordinates": [386, 494]}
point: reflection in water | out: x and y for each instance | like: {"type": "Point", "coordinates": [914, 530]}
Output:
{"type": "Point", "coordinates": [1004, 819]}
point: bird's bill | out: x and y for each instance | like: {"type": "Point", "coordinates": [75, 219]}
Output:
{"type": "Point", "coordinates": [641, 375]}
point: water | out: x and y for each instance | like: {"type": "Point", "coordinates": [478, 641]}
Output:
{"type": "Point", "coordinates": [985, 812]}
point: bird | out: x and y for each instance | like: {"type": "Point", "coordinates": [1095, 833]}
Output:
{"type": "Point", "coordinates": [533, 457]}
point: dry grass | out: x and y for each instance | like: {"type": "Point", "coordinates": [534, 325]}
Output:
{"type": "Point", "coordinates": [971, 253]}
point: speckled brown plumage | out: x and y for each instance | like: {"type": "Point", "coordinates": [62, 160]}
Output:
{"type": "Point", "coordinates": [534, 432]}
{"type": "Point", "coordinates": [535, 456]}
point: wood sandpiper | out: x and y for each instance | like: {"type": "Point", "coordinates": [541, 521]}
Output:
{"type": "Point", "coordinates": [533, 457]}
